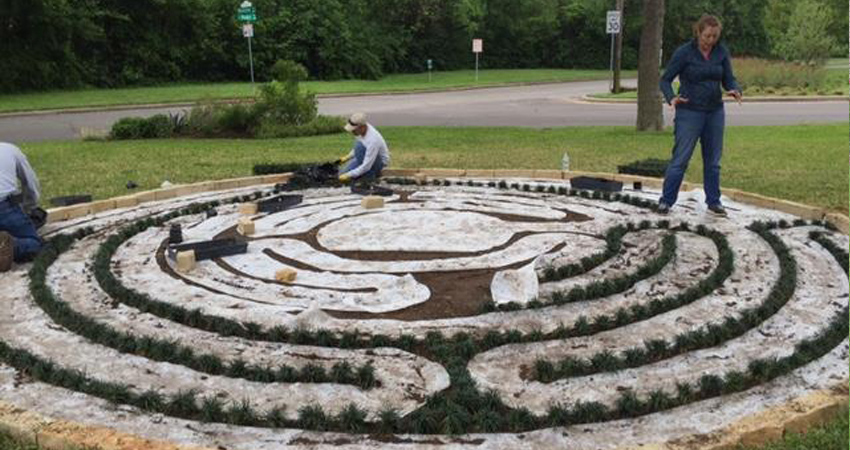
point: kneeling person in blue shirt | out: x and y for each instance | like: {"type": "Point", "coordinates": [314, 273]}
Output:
{"type": "Point", "coordinates": [19, 240]}
{"type": "Point", "coordinates": [370, 153]}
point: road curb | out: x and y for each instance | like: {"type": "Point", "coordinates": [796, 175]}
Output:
{"type": "Point", "coordinates": [775, 99]}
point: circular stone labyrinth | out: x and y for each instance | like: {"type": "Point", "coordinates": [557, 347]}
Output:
{"type": "Point", "coordinates": [481, 314]}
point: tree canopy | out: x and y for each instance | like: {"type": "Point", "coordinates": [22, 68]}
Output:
{"type": "Point", "coordinates": [105, 43]}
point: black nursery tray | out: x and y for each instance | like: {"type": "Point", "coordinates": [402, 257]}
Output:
{"type": "Point", "coordinates": [596, 184]}
{"type": "Point", "coordinates": [70, 200]}
{"type": "Point", "coordinates": [210, 249]}
{"type": "Point", "coordinates": [279, 202]}
{"type": "Point", "coordinates": [372, 190]}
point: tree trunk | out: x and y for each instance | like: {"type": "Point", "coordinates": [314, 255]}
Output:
{"type": "Point", "coordinates": [650, 116]}
{"type": "Point", "coordinates": [618, 47]}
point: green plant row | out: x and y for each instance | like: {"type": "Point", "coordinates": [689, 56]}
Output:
{"type": "Point", "coordinates": [600, 288]}
{"type": "Point", "coordinates": [840, 254]}
{"type": "Point", "coordinates": [707, 336]}
{"type": "Point", "coordinates": [166, 350]}
{"type": "Point", "coordinates": [613, 244]}
{"type": "Point", "coordinates": [539, 188]}
{"type": "Point", "coordinates": [492, 416]}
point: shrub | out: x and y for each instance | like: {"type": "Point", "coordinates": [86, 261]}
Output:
{"type": "Point", "coordinates": [158, 126]}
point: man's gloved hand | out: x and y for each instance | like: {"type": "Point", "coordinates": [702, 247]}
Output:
{"type": "Point", "coordinates": [344, 177]}
{"type": "Point", "coordinates": [342, 159]}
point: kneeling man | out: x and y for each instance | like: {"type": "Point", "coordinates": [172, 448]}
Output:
{"type": "Point", "coordinates": [19, 240]}
{"type": "Point", "coordinates": [370, 153]}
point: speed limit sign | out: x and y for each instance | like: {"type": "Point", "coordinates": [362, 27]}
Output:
{"type": "Point", "coordinates": [613, 22]}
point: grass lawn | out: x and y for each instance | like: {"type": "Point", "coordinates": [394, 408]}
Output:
{"type": "Point", "coordinates": [805, 163]}
{"type": "Point", "coordinates": [182, 93]}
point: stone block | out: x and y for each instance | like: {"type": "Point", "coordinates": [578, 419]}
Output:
{"type": "Point", "coordinates": [513, 173]}
{"type": "Point", "coordinates": [126, 201]}
{"type": "Point", "coordinates": [752, 199]}
{"type": "Point", "coordinates": [102, 205]}
{"type": "Point", "coordinates": [549, 174]}
{"type": "Point", "coordinates": [840, 221]}
{"type": "Point", "coordinates": [245, 226]}
{"type": "Point", "coordinates": [248, 209]}
{"type": "Point", "coordinates": [73, 212]}
{"type": "Point", "coordinates": [147, 196]}
{"type": "Point", "coordinates": [480, 173]}
{"type": "Point", "coordinates": [285, 275]}
{"type": "Point", "coordinates": [443, 173]}
{"type": "Point", "coordinates": [420, 179]}
{"type": "Point", "coordinates": [762, 435]}
{"type": "Point", "coordinates": [276, 178]}
{"type": "Point", "coordinates": [165, 194]}
{"type": "Point", "coordinates": [372, 202]}
{"type": "Point", "coordinates": [399, 172]}
{"type": "Point", "coordinates": [798, 209]}
{"type": "Point", "coordinates": [224, 185]}
{"type": "Point", "coordinates": [185, 261]}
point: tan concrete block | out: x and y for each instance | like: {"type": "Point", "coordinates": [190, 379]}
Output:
{"type": "Point", "coordinates": [224, 185]}
{"type": "Point", "coordinates": [205, 186]}
{"type": "Point", "coordinates": [165, 194]}
{"type": "Point", "coordinates": [372, 202]}
{"type": "Point", "coordinates": [126, 201]}
{"type": "Point", "coordinates": [250, 181]}
{"type": "Point", "coordinates": [817, 414]}
{"type": "Point", "coordinates": [761, 436]}
{"type": "Point", "coordinates": [798, 209]}
{"type": "Point", "coordinates": [56, 215]}
{"type": "Point", "coordinates": [102, 205]}
{"type": "Point", "coordinates": [276, 178]}
{"type": "Point", "coordinates": [840, 221]}
{"type": "Point", "coordinates": [752, 199]}
{"type": "Point", "coordinates": [399, 172]}
{"type": "Point", "coordinates": [73, 212]}
{"type": "Point", "coordinates": [420, 179]}
{"type": "Point", "coordinates": [549, 174]}
{"type": "Point", "coordinates": [443, 173]}
{"type": "Point", "coordinates": [245, 226]}
{"type": "Point", "coordinates": [186, 189]}
{"type": "Point", "coordinates": [500, 173]}
{"type": "Point", "coordinates": [480, 173]}
{"type": "Point", "coordinates": [147, 196]}
{"type": "Point", "coordinates": [248, 209]}
{"type": "Point", "coordinates": [185, 261]}
{"type": "Point", "coordinates": [285, 275]}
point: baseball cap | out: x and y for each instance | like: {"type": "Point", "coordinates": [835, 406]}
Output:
{"type": "Point", "coordinates": [355, 121]}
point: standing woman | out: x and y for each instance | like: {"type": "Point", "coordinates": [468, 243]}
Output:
{"type": "Point", "coordinates": [702, 65]}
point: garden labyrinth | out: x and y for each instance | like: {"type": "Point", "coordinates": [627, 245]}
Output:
{"type": "Point", "coordinates": [458, 313]}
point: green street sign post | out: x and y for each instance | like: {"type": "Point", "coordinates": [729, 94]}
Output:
{"type": "Point", "coordinates": [247, 13]}
{"type": "Point", "coordinates": [430, 64]}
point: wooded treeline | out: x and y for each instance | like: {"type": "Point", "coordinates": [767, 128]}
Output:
{"type": "Point", "coordinates": [48, 44]}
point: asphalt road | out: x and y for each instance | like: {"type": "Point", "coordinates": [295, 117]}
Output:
{"type": "Point", "coordinates": [538, 106]}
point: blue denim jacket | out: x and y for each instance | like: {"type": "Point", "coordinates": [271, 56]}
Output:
{"type": "Point", "coordinates": [699, 79]}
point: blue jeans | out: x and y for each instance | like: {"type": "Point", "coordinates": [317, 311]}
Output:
{"type": "Point", "coordinates": [707, 126]}
{"type": "Point", "coordinates": [359, 155]}
{"type": "Point", "coordinates": [15, 222]}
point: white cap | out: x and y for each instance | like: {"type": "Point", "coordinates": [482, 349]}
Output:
{"type": "Point", "coordinates": [357, 119]}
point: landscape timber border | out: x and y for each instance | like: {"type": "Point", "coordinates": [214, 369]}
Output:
{"type": "Point", "coordinates": [840, 221]}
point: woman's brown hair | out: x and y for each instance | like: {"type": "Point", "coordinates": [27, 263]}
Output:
{"type": "Point", "coordinates": [707, 20]}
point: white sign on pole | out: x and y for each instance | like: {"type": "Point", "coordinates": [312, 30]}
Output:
{"type": "Point", "coordinates": [477, 45]}
{"type": "Point", "coordinates": [612, 25]}
{"type": "Point", "coordinates": [248, 30]}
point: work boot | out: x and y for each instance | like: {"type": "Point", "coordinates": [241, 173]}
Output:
{"type": "Point", "coordinates": [662, 208]}
{"type": "Point", "coordinates": [7, 251]}
{"type": "Point", "coordinates": [718, 210]}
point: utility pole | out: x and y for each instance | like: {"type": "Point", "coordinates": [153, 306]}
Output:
{"type": "Point", "coordinates": [618, 48]}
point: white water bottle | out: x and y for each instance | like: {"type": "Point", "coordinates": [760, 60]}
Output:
{"type": "Point", "coordinates": [565, 162]}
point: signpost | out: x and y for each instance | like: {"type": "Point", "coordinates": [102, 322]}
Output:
{"type": "Point", "coordinates": [430, 65]}
{"type": "Point", "coordinates": [612, 27]}
{"type": "Point", "coordinates": [246, 13]}
{"type": "Point", "coordinates": [477, 47]}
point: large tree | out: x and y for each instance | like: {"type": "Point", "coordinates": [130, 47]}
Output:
{"type": "Point", "coordinates": [650, 116]}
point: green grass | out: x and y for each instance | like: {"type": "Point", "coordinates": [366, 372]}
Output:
{"type": "Point", "coordinates": [804, 163]}
{"type": "Point", "coordinates": [832, 436]}
{"type": "Point", "coordinates": [183, 93]}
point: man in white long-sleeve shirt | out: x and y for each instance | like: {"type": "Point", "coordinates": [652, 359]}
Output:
{"type": "Point", "coordinates": [19, 240]}
{"type": "Point", "coordinates": [370, 153]}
